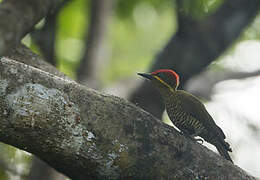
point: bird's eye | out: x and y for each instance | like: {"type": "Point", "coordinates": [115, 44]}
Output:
{"type": "Point", "coordinates": [160, 75]}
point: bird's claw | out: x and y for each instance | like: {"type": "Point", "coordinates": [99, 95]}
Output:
{"type": "Point", "coordinates": [199, 140]}
{"type": "Point", "coordinates": [192, 137]}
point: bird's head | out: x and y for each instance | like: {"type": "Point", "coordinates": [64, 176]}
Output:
{"type": "Point", "coordinates": [163, 78]}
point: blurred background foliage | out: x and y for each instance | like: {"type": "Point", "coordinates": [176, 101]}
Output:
{"type": "Point", "coordinates": [137, 31]}
{"type": "Point", "coordinates": [129, 37]}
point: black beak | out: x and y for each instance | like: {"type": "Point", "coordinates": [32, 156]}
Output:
{"type": "Point", "coordinates": [147, 76]}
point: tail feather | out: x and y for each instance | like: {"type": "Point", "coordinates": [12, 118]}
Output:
{"type": "Point", "coordinates": [223, 150]}
{"type": "Point", "coordinates": [227, 146]}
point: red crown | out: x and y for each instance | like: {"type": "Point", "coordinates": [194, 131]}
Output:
{"type": "Point", "coordinates": [169, 71]}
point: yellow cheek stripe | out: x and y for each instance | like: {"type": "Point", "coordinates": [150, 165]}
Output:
{"type": "Point", "coordinates": [163, 82]}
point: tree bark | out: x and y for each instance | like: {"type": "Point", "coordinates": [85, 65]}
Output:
{"type": "Point", "coordinates": [45, 39]}
{"type": "Point", "coordinates": [88, 135]}
{"type": "Point", "coordinates": [17, 18]}
{"type": "Point", "coordinates": [195, 45]}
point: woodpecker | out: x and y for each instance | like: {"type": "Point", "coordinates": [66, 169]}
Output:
{"type": "Point", "coordinates": [186, 111]}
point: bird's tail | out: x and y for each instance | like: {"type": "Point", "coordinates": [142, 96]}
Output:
{"type": "Point", "coordinates": [223, 149]}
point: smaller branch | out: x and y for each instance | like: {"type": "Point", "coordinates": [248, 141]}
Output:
{"type": "Point", "coordinates": [17, 18]}
{"type": "Point", "coordinates": [46, 36]}
{"type": "Point", "coordinates": [197, 86]}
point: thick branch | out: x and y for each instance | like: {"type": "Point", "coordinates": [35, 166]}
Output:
{"type": "Point", "coordinates": [17, 18]}
{"type": "Point", "coordinates": [88, 135]}
{"type": "Point", "coordinates": [196, 45]}
{"type": "Point", "coordinates": [39, 169]}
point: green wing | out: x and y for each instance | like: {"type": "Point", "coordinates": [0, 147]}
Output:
{"type": "Point", "coordinates": [192, 105]}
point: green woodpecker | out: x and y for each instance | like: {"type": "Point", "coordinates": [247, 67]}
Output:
{"type": "Point", "coordinates": [186, 111]}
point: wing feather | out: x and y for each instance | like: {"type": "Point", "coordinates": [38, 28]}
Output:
{"type": "Point", "coordinates": [192, 105]}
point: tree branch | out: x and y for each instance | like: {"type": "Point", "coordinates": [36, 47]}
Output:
{"type": "Point", "coordinates": [197, 86]}
{"type": "Point", "coordinates": [22, 54]}
{"type": "Point", "coordinates": [17, 18]}
{"type": "Point", "coordinates": [46, 36]}
{"type": "Point", "coordinates": [85, 134]}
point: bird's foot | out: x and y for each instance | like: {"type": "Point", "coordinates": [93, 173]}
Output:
{"type": "Point", "coordinates": [192, 137]}
{"type": "Point", "coordinates": [199, 140]}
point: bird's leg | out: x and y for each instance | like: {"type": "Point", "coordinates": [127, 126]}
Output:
{"type": "Point", "coordinates": [197, 139]}
{"type": "Point", "coordinates": [185, 133]}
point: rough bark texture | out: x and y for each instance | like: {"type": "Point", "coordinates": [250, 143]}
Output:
{"type": "Point", "coordinates": [17, 18]}
{"type": "Point", "coordinates": [45, 38]}
{"type": "Point", "coordinates": [196, 45]}
{"type": "Point", "coordinates": [88, 135]}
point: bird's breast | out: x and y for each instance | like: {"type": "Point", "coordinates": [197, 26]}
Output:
{"type": "Point", "coordinates": [174, 110]}
{"type": "Point", "coordinates": [181, 119]}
